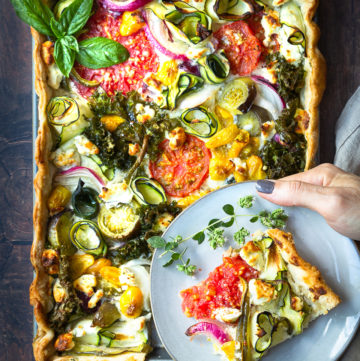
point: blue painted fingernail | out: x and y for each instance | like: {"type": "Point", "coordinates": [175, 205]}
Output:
{"type": "Point", "coordinates": [265, 186]}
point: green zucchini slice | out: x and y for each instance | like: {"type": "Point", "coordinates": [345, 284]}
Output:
{"type": "Point", "coordinates": [62, 111]}
{"type": "Point", "coordinates": [86, 82]}
{"type": "Point", "coordinates": [214, 68]}
{"type": "Point", "coordinates": [296, 318]}
{"type": "Point", "coordinates": [265, 323]}
{"type": "Point", "coordinates": [85, 235]}
{"type": "Point", "coordinates": [186, 84]}
{"type": "Point", "coordinates": [199, 122]}
{"type": "Point", "coordinates": [64, 115]}
{"type": "Point", "coordinates": [195, 24]}
{"type": "Point", "coordinates": [148, 191]}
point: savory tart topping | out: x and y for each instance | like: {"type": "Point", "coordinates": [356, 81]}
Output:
{"type": "Point", "coordinates": [241, 47]}
{"type": "Point", "coordinates": [183, 170]}
{"type": "Point", "coordinates": [148, 191]}
{"type": "Point", "coordinates": [118, 222]}
{"type": "Point", "coordinates": [86, 236]}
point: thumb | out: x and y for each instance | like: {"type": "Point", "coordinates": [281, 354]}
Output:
{"type": "Point", "coordinates": [295, 193]}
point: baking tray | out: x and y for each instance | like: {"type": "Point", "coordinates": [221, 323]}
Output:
{"type": "Point", "coordinates": [159, 352]}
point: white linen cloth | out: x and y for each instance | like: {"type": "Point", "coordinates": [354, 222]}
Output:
{"type": "Point", "coordinates": [347, 132]}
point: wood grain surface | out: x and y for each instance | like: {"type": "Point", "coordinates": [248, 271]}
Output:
{"type": "Point", "coordinates": [339, 21]}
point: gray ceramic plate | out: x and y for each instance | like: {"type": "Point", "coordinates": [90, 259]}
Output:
{"type": "Point", "coordinates": [336, 257]}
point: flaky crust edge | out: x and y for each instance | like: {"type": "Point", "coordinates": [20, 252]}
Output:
{"type": "Point", "coordinates": [307, 278]}
{"type": "Point", "coordinates": [315, 80]}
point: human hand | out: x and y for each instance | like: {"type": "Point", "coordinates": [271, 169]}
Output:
{"type": "Point", "coordinates": [325, 189]}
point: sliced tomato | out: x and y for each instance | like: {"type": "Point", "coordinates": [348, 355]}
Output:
{"type": "Point", "coordinates": [220, 289]}
{"type": "Point", "coordinates": [241, 46]}
{"type": "Point", "coordinates": [121, 77]}
{"type": "Point", "coordinates": [183, 170]}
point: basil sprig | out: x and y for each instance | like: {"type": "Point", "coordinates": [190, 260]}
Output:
{"type": "Point", "coordinates": [100, 52]}
{"type": "Point", "coordinates": [94, 53]}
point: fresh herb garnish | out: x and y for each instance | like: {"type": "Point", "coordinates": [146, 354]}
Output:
{"type": "Point", "coordinates": [100, 52]}
{"type": "Point", "coordinates": [93, 53]}
{"type": "Point", "coordinates": [240, 235]}
{"type": "Point", "coordinates": [214, 233]}
{"type": "Point", "coordinates": [246, 202]}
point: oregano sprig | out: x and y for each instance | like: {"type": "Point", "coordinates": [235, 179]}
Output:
{"type": "Point", "coordinates": [94, 53]}
{"type": "Point", "coordinates": [214, 233]}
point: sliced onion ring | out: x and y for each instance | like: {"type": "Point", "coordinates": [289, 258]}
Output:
{"type": "Point", "coordinates": [160, 37]}
{"type": "Point", "coordinates": [268, 97]}
{"type": "Point", "coordinates": [209, 329]}
{"type": "Point", "coordinates": [120, 6]}
{"type": "Point", "coordinates": [80, 172]}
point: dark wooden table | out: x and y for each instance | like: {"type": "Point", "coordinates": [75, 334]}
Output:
{"type": "Point", "coordinates": [339, 21]}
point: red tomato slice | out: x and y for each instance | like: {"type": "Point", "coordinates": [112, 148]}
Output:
{"type": "Point", "coordinates": [220, 289]}
{"type": "Point", "coordinates": [183, 170]}
{"type": "Point", "coordinates": [241, 46]}
{"type": "Point", "coordinates": [121, 77]}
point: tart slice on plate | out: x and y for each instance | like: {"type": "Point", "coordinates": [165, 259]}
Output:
{"type": "Point", "coordinates": [261, 295]}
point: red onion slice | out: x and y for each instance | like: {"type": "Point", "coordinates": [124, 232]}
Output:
{"type": "Point", "coordinates": [160, 36]}
{"type": "Point", "coordinates": [209, 329]}
{"type": "Point", "coordinates": [120, 6]}
{"type": "Point", "coordinates": [85, 173]}
{"type": "Point", "coordinates": [268, 97]}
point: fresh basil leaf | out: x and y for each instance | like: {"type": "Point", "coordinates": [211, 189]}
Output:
{"type": "Point", "coordinates": [199, 237]}
{"type": "Point", "coordinates": [71, 42]}
{"type": "Point", "coordinates": [98, 52]}
{"type": "Point", "coordinates": [64, 57]}
{"type": "Point", "coordinates": [75, 16]}
{"type": "Point", "coordinates": [35, 14]}
{"type": "Point", "coordinates": [57, 28]}
{"type": "Point", "coordinates": [229, 209]}
{"type": "Point", "coordinates": [157, 242]}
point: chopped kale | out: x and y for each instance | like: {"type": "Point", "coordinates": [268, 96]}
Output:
{"type": "Point", "coordinates": [114, 146]}
{"type": "Point", "coordinates": [290, 77]}
{"type": "Point", "coordinates": [60, 315]}
{"type": "Point", "coordinates": [138, 246]}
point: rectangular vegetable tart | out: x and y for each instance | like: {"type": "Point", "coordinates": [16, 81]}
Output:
{"type": "Point", "coordinates": [144, 107]}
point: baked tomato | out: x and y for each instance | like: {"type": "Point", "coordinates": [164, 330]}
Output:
{"type": "Point", "coordinates": [220, 289]}
{"type": "Point", "coordinates": [183, 170]}
{"type": "Point", "coordinates": [121, 77]}
{"type": "Point", "coordinates": [241, 46]}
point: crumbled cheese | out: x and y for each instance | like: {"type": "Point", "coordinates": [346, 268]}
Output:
{"type": "Point", "coordinates": [253, 255]}
{"type": "Point", "coordinates": [126, 278]}
{"type": "Point", "coordinates": [95, 298]}
{"type": "Point", "coordinates": [227, 314]}
{"type": "Point", "coordinates": [85, 146]}
{"type": "Point", "coordinates": [144, 113]}
{"type": "Point", "coordinates": [116, 193]}
{"type": "Point", "coordinates": [85, 284]}
{"type": "Point", "coordinates": [65, 158]}
{"type": "Point", "coordinates": [260, 292]}
{"type": "Point", "coordinates": [59, 291]}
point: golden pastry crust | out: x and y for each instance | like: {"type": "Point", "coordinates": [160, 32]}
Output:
{"type": "Point", "coordinates": [306, 277]}
{"type": "Point", "coordinates": [315, 79]}
{"type": "Point", "coordinates": [40, 288]}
